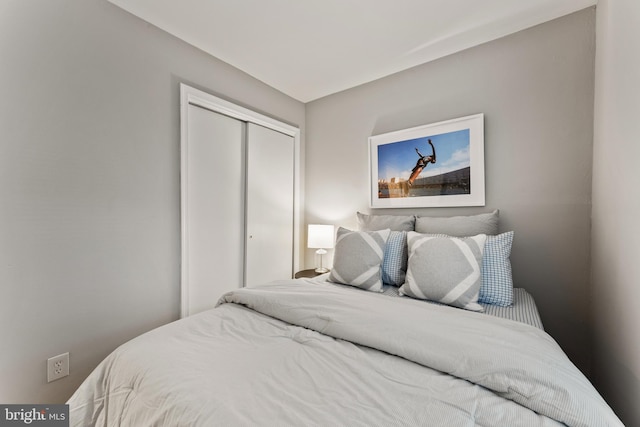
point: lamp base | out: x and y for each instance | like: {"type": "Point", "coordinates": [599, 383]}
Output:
{"type": "Point", "coordinates": [321, 270]}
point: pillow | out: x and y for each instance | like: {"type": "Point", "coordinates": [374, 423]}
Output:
{"type": "Point", "coordinates": [445, 269]}
{"type": "Point", "coordinates": [358, 257]}
{"type": "Point", "coordinates": [459, 226]}
{"type": "Point", "coordinates": [497, 282]}
{"type": "Point", "coordinates": [394, 262]}
{"type": "Point", "coordinates": [382, 222]}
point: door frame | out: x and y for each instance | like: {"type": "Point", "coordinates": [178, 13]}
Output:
{"type": "Point", "coordinates": [192, 96]}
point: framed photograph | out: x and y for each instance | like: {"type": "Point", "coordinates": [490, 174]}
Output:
{"type": "Point", "coordinates": [435, 165]}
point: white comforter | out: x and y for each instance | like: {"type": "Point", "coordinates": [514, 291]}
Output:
{"type": "Point", "coordinates": [308, 354]}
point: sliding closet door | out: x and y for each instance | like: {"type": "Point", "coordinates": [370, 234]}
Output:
{"type": "Point", "coordinates": [269, 205]}
{"type": "Point", "coordinates": [240, 213]}
{"type": "Point", "coordinates": [212, 208]}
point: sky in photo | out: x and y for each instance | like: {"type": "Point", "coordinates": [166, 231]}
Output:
{"type": "Point", "coordinates": [396, 160]}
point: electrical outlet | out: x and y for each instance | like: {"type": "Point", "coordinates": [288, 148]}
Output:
{"type": "Point", "coordinates": [57, 367]}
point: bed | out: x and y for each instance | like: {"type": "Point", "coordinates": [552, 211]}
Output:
{"type": "Point", "coordinates": [321, 352]}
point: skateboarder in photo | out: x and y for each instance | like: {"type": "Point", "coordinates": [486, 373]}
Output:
{"type": "Point", "coordinates": [422, 163]}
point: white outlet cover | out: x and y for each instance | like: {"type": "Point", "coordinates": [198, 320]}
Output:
{"type": "Point", "coordinates": [57, 367]}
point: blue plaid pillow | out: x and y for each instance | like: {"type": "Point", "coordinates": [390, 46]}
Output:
{"type": "Point", "coordinates": [394, 263]}
{"type": "Point", "coordinates": [497, 282]}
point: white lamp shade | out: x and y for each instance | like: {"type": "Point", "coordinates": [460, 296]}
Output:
{"type": "Point", "coordinates": [320, 236]}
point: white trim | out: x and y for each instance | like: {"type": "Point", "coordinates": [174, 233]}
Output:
{"type": "Point", "coordinates": [193, 96]}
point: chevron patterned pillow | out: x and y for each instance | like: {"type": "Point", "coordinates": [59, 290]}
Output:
{"type": "Point", "coordinates": [358, 257]}
{"type": "Point", "coordinates": [445, 269]}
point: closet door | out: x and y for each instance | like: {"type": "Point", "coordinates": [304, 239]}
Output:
{"type": "Point", "coordinates": [212, 208]}
{"type": "Point", "coordinates": [269, 205]}
{"type": "Point", "coordinates": [240, 213]}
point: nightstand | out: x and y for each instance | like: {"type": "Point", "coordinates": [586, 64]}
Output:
{"type": "Point", "coordinates": [307, 273]}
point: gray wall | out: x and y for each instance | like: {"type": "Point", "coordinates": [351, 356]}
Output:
{"type": "Point", "coordinates": [536, 90]}
{"type": "Point", "coordinates": [90, 202]}
{"type": "Point", "coordinates": [616, 208]}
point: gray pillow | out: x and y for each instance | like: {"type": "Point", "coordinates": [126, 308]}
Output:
{"type": "Point", "coordinates": [382, 222]}
{"type": "Point", "coordinates": [497, 281]}
{"type": "Point", "coordinates": [357, 258]}
{"type": "Point", "coordinates": [445, 269]}
{"type": "Point", "coordinates": [459, 226]}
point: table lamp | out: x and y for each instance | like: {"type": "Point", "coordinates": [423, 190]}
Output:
{"type": "Point", "coordinates": [320, 237]}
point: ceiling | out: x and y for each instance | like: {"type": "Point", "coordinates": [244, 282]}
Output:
{"type": "Point", "coordinates": [312, 48]}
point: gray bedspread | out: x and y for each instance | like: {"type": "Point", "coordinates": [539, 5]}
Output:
{"type": "Point", "coordinates": [301, 353]}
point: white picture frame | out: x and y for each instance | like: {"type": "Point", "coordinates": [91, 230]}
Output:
{"type": "Point", "coordinates": [435, 165]}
